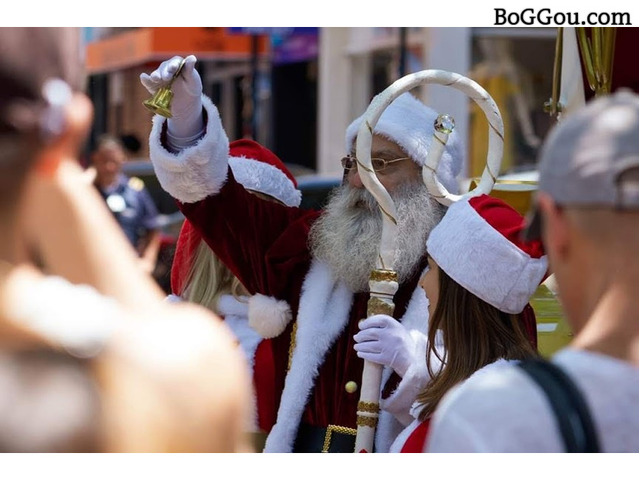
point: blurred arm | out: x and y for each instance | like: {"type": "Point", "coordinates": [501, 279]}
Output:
{"type": "Point", "coordinates": [74, 235]}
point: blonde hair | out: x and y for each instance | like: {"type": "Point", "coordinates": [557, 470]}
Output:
{"type": "Point", "coordinates": [208, 279]}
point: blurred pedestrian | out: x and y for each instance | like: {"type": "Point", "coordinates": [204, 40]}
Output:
{"type": "Point", "coordinates": [587, 215]}
{"type": "Point", "coordinates": [128, 199]}
{"type": "Point", "coordinates": [475, 306]}
{"type": "Point", "coordinates": [91, 357]}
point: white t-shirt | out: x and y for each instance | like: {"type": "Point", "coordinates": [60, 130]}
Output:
{"type": "Point", "coordinates": [76, 317]}
{"type": "Point", "coordinates": [401, 439]}
{"type": "Point", "coordinates": [503, 410]}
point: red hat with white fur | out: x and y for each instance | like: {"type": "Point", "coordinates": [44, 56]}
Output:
{"type": "Point", "coordinates": [478, 244]}
{"type": "Point", "coordinates": [256, 168]}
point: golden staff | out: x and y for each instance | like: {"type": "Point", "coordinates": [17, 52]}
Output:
{"type": "Point", "coordinates": [383, 282]}
{"type": "Point", "coordinates": [553, 107]}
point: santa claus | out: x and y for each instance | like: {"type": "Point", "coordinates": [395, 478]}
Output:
{"type": "Point", "coordinates": [320, 265]}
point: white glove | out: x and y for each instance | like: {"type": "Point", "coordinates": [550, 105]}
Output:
{"type": "Point", "coordinates": [186, 106]}
{"type": "Point", "coordinates": [384, 340]}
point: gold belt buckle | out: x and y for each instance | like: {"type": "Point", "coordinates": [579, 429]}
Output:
{"type": "Point", "coordinates": [338, 429]}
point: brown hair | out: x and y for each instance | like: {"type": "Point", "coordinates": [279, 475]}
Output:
{"type": "Point", "coordinates": [108, 139]}
{"type": "Point", "coordinates": [29, 57]}
{"type": "Point", "coordinates": [474, 333]}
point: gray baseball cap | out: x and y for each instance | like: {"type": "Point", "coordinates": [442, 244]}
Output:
{"type": "Point", "coordinates": [590, 159]}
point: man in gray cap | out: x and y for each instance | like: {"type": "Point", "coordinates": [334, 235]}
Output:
{"type": "Point", "coordinates": [587, 214]}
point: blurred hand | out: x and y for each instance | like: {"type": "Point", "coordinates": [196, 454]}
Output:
{"type": "Point", "coordinates": [146, 265]}
{"type": "Point", "coordinates": [384, 340]}
{"type": "Point", "coordinates": [89, 175]}
{"type": "Point", "coordinates": [186, 105]}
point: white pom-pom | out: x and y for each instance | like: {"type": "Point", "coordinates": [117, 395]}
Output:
{"type": "Point", "coordinates": [268, 316]}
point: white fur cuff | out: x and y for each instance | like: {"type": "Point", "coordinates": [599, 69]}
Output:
{"type": "Point", "coordinates": [483, 261]}
{"type": "Point", "coordinates": [195, 172]}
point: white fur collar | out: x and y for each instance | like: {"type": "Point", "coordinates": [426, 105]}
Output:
{"type": "Point", "coordinates": [322, 314]}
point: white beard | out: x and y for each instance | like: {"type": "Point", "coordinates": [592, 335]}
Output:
{"type": "Point", "coordinates": [347, 234]}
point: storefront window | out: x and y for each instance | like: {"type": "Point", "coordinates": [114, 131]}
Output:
{"type": "Point", "coordinates": [517, 71]}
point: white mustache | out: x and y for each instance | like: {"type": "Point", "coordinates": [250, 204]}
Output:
{"type": "Point", "coordinates": [347, 235]}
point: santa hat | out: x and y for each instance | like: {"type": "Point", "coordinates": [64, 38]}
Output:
{"type": "Point", "coordinates": [258, 169]}
{"type": "Point", "coordinates": [409, 123]}
{"type": "Point", "coordinates": [255, 168]}
{"type": "Point", "coordinates": [478, 244]}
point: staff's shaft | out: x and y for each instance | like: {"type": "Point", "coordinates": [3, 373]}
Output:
{"type": "Point", "coordinates": [383, 285]}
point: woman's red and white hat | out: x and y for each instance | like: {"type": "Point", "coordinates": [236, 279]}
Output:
{"type": "Point", "coordinates": [478, 244]}
{"type": "Point", "coordinates": [256, 168]}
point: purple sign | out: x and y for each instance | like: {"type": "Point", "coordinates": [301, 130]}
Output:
{"type": "Point", "coordinates": [295, 47]}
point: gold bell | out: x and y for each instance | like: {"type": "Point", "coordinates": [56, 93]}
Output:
{"type": "Point", "coordinates": [160, 103]}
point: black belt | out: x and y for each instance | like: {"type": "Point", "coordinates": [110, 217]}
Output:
{"type": "Point", "coordinates": [333, 439]}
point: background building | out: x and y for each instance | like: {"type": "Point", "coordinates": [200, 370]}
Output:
{"type": "Point", "coordinates": [296, 89]}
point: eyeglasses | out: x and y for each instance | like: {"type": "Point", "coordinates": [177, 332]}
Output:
{"type": "Point", "coordinates": [379, 164]}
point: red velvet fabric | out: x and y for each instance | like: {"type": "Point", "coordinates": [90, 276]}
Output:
{"type": "Point", "coordinates": [506, 221]}
{"type": "Point", "coordinates": [264, 384]}
{"type": "Point", "coordinates": [265, 246]}
{"type": "Point", "coordinates": [188, 241]}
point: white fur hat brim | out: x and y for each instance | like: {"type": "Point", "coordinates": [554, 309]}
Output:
{"type": "Point", "coordinates": [482, 260]}
{"type": "Point", "coordinates": [265, 178]}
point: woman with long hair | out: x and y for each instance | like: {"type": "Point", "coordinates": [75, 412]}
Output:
{"type": "Point", "coordinates": [479, 280]}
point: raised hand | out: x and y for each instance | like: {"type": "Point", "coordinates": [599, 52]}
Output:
{"type": "Point", "coordinates": [186, 106]}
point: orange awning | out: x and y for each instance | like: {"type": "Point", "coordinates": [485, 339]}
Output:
{"type": "Point", "coordinates": [136, 47]}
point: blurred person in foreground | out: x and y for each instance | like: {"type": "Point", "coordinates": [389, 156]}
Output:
{"type": "Point", "coordinates": [91, 357]}
{"type": "Point", "coordinates": [128, 199]}
{"type": "Point", "coordinates": [587, 214]}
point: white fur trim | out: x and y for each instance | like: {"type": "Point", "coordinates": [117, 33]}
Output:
{"type": "Point", "coordinates": [322, 315]}
{"type": "Point", "coordinates": [484, 261]}
{"type": "Point", "coordinates": [172, 298]}
{"type": "Point", "coordinates": [265, 178]}
{"type": "Point", "coordinates": [195, 172]}
{"type": "Point", "coordinates": [409, 123]}
{"type": "Point", "coordinates": [268, 316]}
{"type": "Point", "coordinates": [234, 313]}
